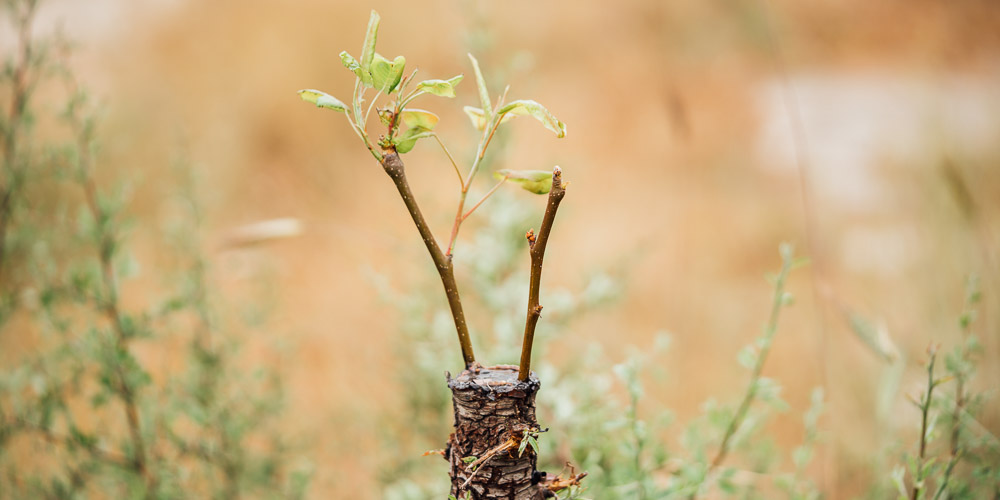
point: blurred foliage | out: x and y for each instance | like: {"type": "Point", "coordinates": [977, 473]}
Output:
{"type": "Point", "coordinates": [86, 408]}
{"type": "Point", "coordinates": [956, 456]}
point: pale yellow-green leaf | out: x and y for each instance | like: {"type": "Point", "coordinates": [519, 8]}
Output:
{"type": "Point", "coordinates": [484, 93]}
{"type": "Point", "coordinates": [322, 100]}
{"type": "Point", "coordinates": [349, 62]}
{"type": "Point", "coordinates": [532, 108]}
{"type": "Point", "coordinates": [476, 116]}
{"type": "Point", "coordinates": [443, 88]}
{"type": "Point", "coordinates": [368, 49]}
{"type": "Point", "coordinates": [536, 181]}
{"type": "Point", "coordinates": [386, 74]}
{"type": "Point", "coordinates": [478, 120]}
{"type": "Point", "coordinates": [419, 118]}
{"type": "Point", "coordinates": [384, 116]}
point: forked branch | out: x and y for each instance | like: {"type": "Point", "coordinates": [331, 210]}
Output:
{"type": "Point", "coordinates": [537, 251]}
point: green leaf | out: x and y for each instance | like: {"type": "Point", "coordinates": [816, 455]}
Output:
{"type": "Point", "coordinates": [479, 119]}
{"type": "Point", "coordinates": [384, 116]}
{"type": "Point", "coordinates": [350, 63]}
{"type": "Point", "coordinates": [469, 459]}
{"type": "Point", "coordinates": [442, 88]}
{"type": "Point", "coordinates": [322, 100]}
{"type": "Point", "coordinates": [368, 50]}
{"type": "Point", "coordinates": [747, 357]}
{"type": "Point", "coordinates": [386, 74]}
{"type": "Point", "coordinates": [484, 94]}
{"type": "Point", "coordinates": [532, 108]}
{"type": "Point", "coordinates": [406, 141]}
{"type": "Point", "coordinates": [419, 118]}
{"type": "Point", "coordinates": [536, 181]}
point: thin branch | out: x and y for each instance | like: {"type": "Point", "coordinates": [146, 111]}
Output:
{"type": "Point", "coordinates": [484, 142]}
{"type": "Point", "coordinates": [503, 97]}
{"type": "Point", "coordinates": [355, 128]}
{"type": "Point", "coordinates": [537, 252]}
{"type": "Point", "coordinates": [393, 166]}
{"type": "Point", "coordinates": [947, 474]}
{"type": "Point", "coordinates": [810, 220]}
{"type": "Point", "coordinates": [751, 392]}
{"type": "Point", "coordinates": [110, 304]}
{"type": "Point", "coordinates": [105, 456]}
{"type": "Point", "coordinates": [925, 409]}
{"type": "Point", "coordinates": [19, 102]}
{"type": "Point", "coordinates": [372, 105]}
{"type": "Point", "coordinates": [487, 195]}
{"type": "Point", "coordinates": [361, 127]}
{"type": "Point", "coordinates": [967, 317]}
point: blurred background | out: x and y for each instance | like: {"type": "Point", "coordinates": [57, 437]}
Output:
{"type": "Point", "coordinates": [701, 134]}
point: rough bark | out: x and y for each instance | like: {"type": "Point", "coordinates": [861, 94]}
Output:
{"type": "Point", "coordinates": [492, 411]}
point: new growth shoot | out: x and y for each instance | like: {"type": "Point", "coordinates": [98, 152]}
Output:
{"type": "Point", "coordinates": [378, 78]}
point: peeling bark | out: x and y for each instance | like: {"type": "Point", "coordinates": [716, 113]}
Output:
{"type": "Point", "coordinates": [492, 411]}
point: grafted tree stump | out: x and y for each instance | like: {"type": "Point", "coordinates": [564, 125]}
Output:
{"type": "Point", "coordinates": [492, 411]}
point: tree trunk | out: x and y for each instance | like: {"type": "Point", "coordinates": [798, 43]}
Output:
{"type": "Point", "coordinates": [493, 410]}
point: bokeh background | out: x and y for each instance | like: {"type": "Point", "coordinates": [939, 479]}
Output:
{"type": "Point", "coordinates": [700, 135]}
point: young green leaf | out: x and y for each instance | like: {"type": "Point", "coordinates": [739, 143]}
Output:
{"type": "Point", "coordinates": [536, 181]}
{"type": "Point", "coordinates": [442, 88]}
{"type": "Point", "coordinates": [386, 74]}
{"type": "Point", "coordinates": [322, 100]}
{"type": "Point", "coordinates": [368, 50]}
{"type": "Point", "coordinates": [405, 142]}
{"type": "Point", "coordinates": [477, 117]}
{"type": "Point", "coordinates": [484, 93]}
{"type": "Point", "coordinates": [384, 116]}
{"type": "Point", "coordinates": [479, 120]}
{"type": "Point", "coordinates": [350, 63]}
{"type": "Point", "coordinates": [419, 119]}
{"type": "Point", "coordinates": [532, 108]}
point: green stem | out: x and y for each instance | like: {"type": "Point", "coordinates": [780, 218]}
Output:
{"type": "Point", "coordinates": [111, 307]}
{"type": "Point", "coordinates": [751, 392]}
{"type": "Point", "coordinates": [19, 102]}
{"type": "Point", "coordinates": [925, 409]}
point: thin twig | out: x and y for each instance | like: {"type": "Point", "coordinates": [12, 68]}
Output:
{"type": "Point", "coordinates": [537, 252]}
{"type": "Point", "coordinates": [372, 105]}
{"type": "Point", "coordinates": [487, 195]}
{"type": "Point", "coordinates": [751, 392]}
{"type": "Point", "coordinates": [110, 304]}
{"type": "Point", "coordinates": [19, 101]}
{"type": "Point", "coordinates": [105, 456]}
{"type": "Point", "coordinates": [458, 172]}
{"type": "Point", "coordinates": [811, 227]}
{"type": "Point", "coordinates": [925, 409]}
{"type": "Point", "coordinates": [947, 474]}
{"type": "Point", "coordinates": [484, 143]}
